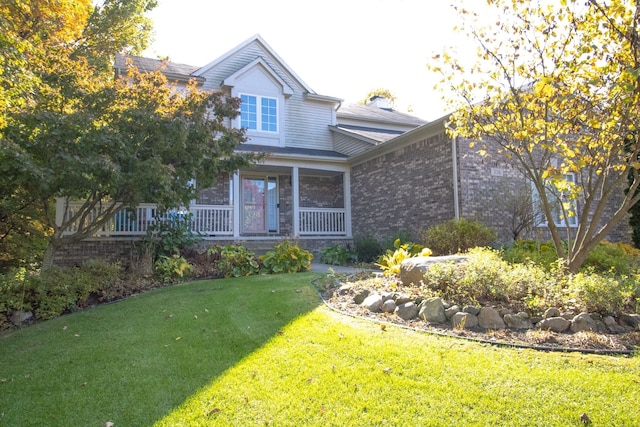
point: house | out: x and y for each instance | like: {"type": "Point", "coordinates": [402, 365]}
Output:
{"type": "Point", "coordinates": [334, 170]}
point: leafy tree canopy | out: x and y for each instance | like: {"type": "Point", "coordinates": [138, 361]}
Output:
{"type": "Point", "coordinates": [555, 86]}
{"type": "Point", "coordinates": [71, 130]}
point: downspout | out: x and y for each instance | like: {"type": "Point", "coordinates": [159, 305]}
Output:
{"type": "Point", "coordinates": [454, 158]}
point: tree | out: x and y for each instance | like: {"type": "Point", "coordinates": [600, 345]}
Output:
{"type": "Point", "coordinates": [555, 87]}
{"type": "Point", "coordinates": [72, 131]}
{"type": "Point", "coordinates": [384, 93]}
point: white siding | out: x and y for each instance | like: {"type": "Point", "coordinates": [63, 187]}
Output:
{"type": "Point", "coordinates": [305, 122]}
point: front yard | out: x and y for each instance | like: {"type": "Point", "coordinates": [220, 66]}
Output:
{"type": "Point", "coordinates": [263, 350]}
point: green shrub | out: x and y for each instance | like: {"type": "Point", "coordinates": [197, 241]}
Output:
{"type": "Point", "coordinates": [619, 258]}
{"type": "Point", "coordinates": [170, 237]}
{"type": "Point", "coordinates": [286, 258]}
{"type": "Point", "coordinates": [367, 248]}
{"type": "Point", "coordinates": [235, 260]}
{"type": "Point", "coordinates": [486, 277]}
{"type": "Point", "coordinates": [455, 236]}
{"type": "Point", "coordinates": [173, 268]}
{"type": "Point", "coordinates": [524, 251]}
{"type": "Point", "coordinates": [337, 255]}
{"type": "Point", "coordinates": [13, 293]}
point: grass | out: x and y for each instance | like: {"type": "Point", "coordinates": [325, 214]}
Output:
{"type": "Point", "coordinates": [262, 351]}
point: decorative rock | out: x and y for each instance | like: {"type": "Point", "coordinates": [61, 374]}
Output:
{"type": "Point", "coordinates": [551, 312]}
{"type": "Point", "coordinates": [359, 297]}
{"type": "Point", "coordinates": [344, 290]}
{"type": "Point", "coordinates": [412, 270]}
{"type": "Point", "coordinates": [463, 320]}
{"type": "Point", "coordinates": [523, 315]}
{"type": "Point", "coordinates": [18, 317]}
{"type": "Point", "coordinates": [403, 299]}
{"type": "Point", "coordinates": [449, 312]}
{"type": "Point", "coordinates": [535, 319]}
{"type": "Point", "coordinates": [386, 296]}
{"type": "Point", "coordinates": [514, 321]}
{"type": "Point", "coordinates": [631, 320]}
{"type": "Point", "coordinates": [583, 322]}
{"type": "Point", "coordinates": [389, 306]}
{"type": "Point", "coordinates": [554, 324]}
{"type": "Point", "coordinates": [471, 309]}
{"type": "Point", "coordinates": [406, 311]}
{"type": "Point", "coordinates": [372, 303]}
{"type": "Point", "coordinates": [489, 318]}
{"type": "Point", "coordinates": [612, 326]}
{"type": "Point", "coordinates": [504, 311]}
{"type": "Point", "coordinates": [432, 310]}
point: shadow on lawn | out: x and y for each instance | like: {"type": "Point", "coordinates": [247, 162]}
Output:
{"type": "Point", "coordinates": [134, 362]}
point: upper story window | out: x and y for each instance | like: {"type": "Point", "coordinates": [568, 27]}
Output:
{"type": "Point", "coordinates": [259, 113]}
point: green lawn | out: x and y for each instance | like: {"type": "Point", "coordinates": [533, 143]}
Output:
{"type": "Point", "coordinates": [264, 351]}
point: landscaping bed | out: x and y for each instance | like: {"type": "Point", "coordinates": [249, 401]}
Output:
{"type": "Point", "coordinates": [345, 294]}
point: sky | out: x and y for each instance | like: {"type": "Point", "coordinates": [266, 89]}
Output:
{"type": "Point", "coordinates": [339, 48]}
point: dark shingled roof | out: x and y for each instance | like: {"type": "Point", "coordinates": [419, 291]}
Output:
{"type": "Point", "coordinates": [291, 151]}
{"type": "Point", "coordinates": [375, 134]}
{"type": "Point", "coordinates": [364, 112]}
{"type": "Point", "coordinates": [148, 64]}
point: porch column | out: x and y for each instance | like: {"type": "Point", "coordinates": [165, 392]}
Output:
{"type": "Point", "coordinates": [295, 189]}
{"type": "Point", "coordinates": [346, 182]}
{"type": "Point", "coordinates": [236, 204]}
{"type": "Point", "coordinates": [61, 207]}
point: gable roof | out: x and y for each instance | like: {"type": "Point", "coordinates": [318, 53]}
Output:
{"type": "Point", "coordinates": [172, 70]}
{"type": "Point", "coordinates": [256, 38]}
{"type": "Point", "coordinates": [377, 114]}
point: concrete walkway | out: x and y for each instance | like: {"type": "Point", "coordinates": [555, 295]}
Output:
{"type": "Point", "coordinates": [324, 268]}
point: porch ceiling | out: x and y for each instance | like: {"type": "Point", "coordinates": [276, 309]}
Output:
{"type": "Point", "coordinates": [286, 170]}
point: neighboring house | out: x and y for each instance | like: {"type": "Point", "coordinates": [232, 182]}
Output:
{"type": "Point", "coordinates": [334, 171]}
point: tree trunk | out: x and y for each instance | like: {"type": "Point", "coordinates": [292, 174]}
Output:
{"type": "Point", "coordinates": [49, 256]}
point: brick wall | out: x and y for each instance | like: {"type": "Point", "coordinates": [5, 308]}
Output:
{"type": "Point", "coordinates": [114, 250]}
{"type": "Point", "coordinates": [321, 192]}
{"type": "Point", "coordinates": [405, 190]}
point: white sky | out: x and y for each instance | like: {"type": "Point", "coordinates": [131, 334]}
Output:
{"type": "Point", "coordinates": [340, 48]}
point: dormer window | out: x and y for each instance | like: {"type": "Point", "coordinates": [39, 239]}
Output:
{"type": "Point", "coordinates": [259, 113]}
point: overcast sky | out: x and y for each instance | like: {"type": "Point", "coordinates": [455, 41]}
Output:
{"type": "Point", "coordinates": [340, 48]}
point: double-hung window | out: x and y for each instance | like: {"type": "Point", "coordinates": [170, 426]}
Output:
{"type": "Point", "coordinates": [259, 113]}
{"type": "Point", "coordinates": [563, 208]}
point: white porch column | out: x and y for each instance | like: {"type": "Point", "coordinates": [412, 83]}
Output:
{"type": "Point", "coordinates": [346, 182]}
{"type": "Point", "coordinates": [61, 207]}
{"type": "Point", "coordinates": [295, 189]}
{"type": "Point", "coordinates": [236, 204]}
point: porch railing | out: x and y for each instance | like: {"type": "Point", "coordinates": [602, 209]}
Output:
{"type": "Point", "coordinates": [207, 220]}
{"type": "Point", "coordinates": [322, 221]}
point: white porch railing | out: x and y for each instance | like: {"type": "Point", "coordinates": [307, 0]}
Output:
{"type": "Point", "coordinates": [207, 220]}
{"type": "Point", "coordinates": [323, 221]}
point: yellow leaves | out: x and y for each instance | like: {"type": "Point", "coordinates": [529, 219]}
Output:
{"type": "Point", "coordinates": [543, 88]}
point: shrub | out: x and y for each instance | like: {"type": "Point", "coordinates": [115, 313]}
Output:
{"type": "Point", "coordinates": [337, 255]}
{"type": "Point", "coordinates": [523, 251]}
{"type": "Point", "coordinates": [13, 293]}
{"type": "Point", "coordinates": [601, 294]}
{"type": "Point", "coordinates": [390, 262]}
{"type": "Point", "coordinates": [286, 258]}
{"type": "Point", "coordinates": [169, 237]}
{"type": "Point", "coordinates": [456, 236]}
{"type": "Point", "coordinates": [235, 260]}
{"type": "Point", "coordinates": [367, 248]}
{"type": "Point", "coordinates": [173, 269]}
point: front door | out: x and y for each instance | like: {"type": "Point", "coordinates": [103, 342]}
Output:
{"type": "Point", "coordinates": [259, 204]}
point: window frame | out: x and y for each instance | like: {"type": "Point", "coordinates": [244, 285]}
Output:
{"type": "Point", "coordinates": [266, 117]}
{"type": "Point", "coordinates": [554, 196]}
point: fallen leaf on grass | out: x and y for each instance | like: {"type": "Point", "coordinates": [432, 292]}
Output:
{"type": "Point", "coordinates": [213, 411]}
{"type": "Point", "coordinates": [387, 370]}
{"type": "Point", "coordinates": [178, 338]}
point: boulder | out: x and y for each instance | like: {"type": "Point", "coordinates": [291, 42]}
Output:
{"type": "Point", "coordinates": [373, 302]}
{"type": "Point", "coordinates": [462, 320]}
{"type": "Point", "coordinates": [613, 326]}
{"type": "Point", "coordinates": [403, 299]}
{"type": "Point", "coordinates": [489, 318]}
{"type": "Point", "coordinates": [515, 321]}
{"type": "Point", "coordinates": [406, 311]}
{"type": "Point", "coordinates": [412, 270]}
{"type": "Point", "coordinates": [449, 312]}
{"type": "Point", "coordinates": [360, 296]}
{"type": "Point", "coordinates": [389, 306]}
{"type": "Point", "coordinates": [432, 310]}
{"type": "Point", "coordinates": [19, 316]}
{"type": "Point", "coordinates": [471, 309]}
{"type": "Point", "coordinates": [554, 324]}
{"type": "Point", "coordinates": [631, 320]}
{"type": "Point", "coordinates": [344, 290]}
{"type": "Point", "coordinates": [583, 322]}
{"type": "Point", "coordinates": [551, 312]}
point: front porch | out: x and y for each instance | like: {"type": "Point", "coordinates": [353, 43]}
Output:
{"type": "Point", "coordinates": [262, 203]}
